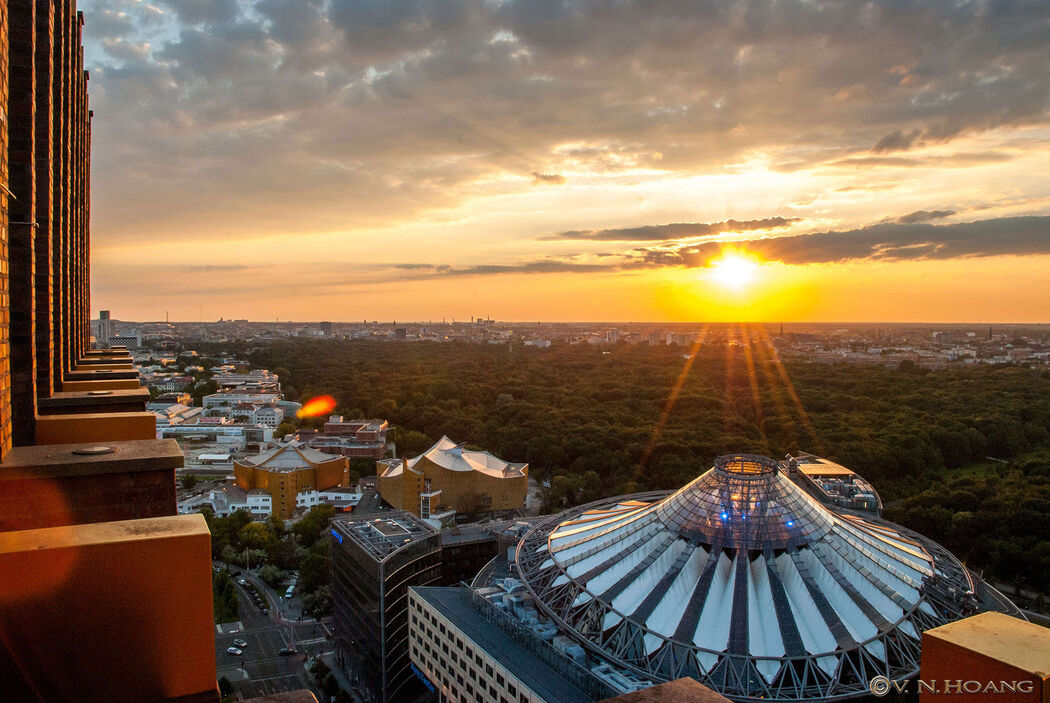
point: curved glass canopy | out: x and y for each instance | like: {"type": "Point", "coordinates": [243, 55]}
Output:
{"type": "Point", "coordinates": [745, 581]}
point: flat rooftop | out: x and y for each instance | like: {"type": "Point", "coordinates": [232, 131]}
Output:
{"type": "Point", "coordinates": [381, 535]}
{"type": "Point", "coordinates": [546, 681]}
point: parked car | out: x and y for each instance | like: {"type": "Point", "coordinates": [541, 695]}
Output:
{"type": "Point", "coordinates": [234, 651]}
{"type": "Point", "coordinates": [240, 643]}
{"type": "Point", "coordinates": [286, 652]}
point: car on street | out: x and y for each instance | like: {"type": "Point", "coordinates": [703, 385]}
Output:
{"type": "Point", "coordinates": [241, 644]}
{"type": "Point", "coordinates": [234, 651]}
{"type": "Point", "coordinates": [286, 652]}
{"type": "Point", "coordinates": [242, 582]}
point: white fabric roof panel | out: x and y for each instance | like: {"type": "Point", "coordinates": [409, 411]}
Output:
{"type": "Point", "coordinates": [837, 582]}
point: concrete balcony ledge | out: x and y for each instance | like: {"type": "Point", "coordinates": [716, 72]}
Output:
{"type": "Point", "coordinates": [95, 427]}
{"type": "Point", "coordinates": [84, 386]}
{"type": "Point", "coordinates": [114, 611]}
{"type": "Point", "coordinates": [101, 375]}
{"type": "Point", "coordinates": [982, 653]}
{"type": "Point", "coordinates": [47, 486]}
{"type": "Point", "coordinates": [101, 362]}
{"type": "Point", "coordinates": [96, 401]}
{"type": "Point", "coordinates": [106, 354]}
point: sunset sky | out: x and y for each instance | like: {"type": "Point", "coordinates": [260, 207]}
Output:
{"type": "Point", "coordinates": [537, 160]}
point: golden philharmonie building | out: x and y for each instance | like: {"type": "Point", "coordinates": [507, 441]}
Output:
{"type": "Point", "coordinates": [450, 478]}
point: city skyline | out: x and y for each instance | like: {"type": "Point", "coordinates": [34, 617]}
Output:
{"type": "Point", "coordinates": [411, 160]}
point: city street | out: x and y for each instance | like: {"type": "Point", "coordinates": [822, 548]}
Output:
{"type": "Point", "coordinates": [261, 670]}
{"type": "Point", "coordinates": [370, 499]}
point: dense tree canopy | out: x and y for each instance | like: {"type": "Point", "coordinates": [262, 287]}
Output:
{"type": "Point", "coordinates": [618, 419]}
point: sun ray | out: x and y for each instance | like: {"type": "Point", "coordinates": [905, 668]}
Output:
{"type": "Point", "coordinates": [671, 398]}
{"type": "Point", "coordinates": [756, 399]}
{"type": "Point", "coordinates": [789, 388]}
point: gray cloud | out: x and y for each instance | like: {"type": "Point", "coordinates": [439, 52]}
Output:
{"type": "Point", "coordinates": [924, 216]}
{"type": "Point", "coordinates": [1016, 236]}
{"type": "Point", "coordinates": [677, 230]}
{"type": "Point", "coordinates": [300, 116]}
{"type": "Point", "coordinates": [887, 241]}
{"type": "Point", "coordinates": [541, 266]}
{"type": "Point", "coordinates": [551, 179]}
{"type": "Point", "coordinates": [897, 141]}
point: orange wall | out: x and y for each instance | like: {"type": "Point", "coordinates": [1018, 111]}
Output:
{"type": "Point", "coordinates": [115, 611]}
{"type": "Point", "coordinates": [283, 486]}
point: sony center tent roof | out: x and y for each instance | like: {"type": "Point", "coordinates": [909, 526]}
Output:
{"type": "Point", "coordinates": [745, 581]}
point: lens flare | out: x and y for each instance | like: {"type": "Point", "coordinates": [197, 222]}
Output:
{"type": "Point", "coordinates": [315, 407]}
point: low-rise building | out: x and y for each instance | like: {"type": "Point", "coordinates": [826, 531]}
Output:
{"type": "Point", "coordinates": [286, 471]}
{"type": "Point", "coordinates": [229, 399]}
{"type": "Point", "coordinates": [230, 498]}
{"type": "Point", "coordinates": [448, 477]}
{"type": "Point", "coordinates": [343, 499]}
{"type": "Point", "coordinates": [469, 658]}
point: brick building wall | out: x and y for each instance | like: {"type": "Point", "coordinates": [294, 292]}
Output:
{"type": "Point", "coordinates": [44, 298]}
{"type": "Point", "coordinates": [42, 244]}
{"type": "Point", "coordinates": [5, 345]}
{"type": "Point", "coordinates": [59, 219]}
{"type": "Point", "coordinates": [21, 107]}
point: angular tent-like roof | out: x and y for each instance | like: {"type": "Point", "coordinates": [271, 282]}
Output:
{"type": "Point", "coordinates": [745, 581]}
{"type": "Point", "coordinates": [289, 457]}
{"type": "Point", "coordinates": [454, 457]}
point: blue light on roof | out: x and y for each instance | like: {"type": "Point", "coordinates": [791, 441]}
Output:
{"type": "Point", "coordinates": [725, 516]}
{"type": "Point", "coordinates": [791, 523]}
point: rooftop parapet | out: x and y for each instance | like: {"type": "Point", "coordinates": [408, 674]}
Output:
{"type": "Point", "coordinates": [115, 611]}
{"type": "Point", "coordinates": [990, 656]}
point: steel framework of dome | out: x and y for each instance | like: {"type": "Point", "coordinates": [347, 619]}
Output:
{"type": "Point", "coordinates": [744, 581]}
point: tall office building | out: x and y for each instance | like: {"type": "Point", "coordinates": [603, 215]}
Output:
{"type": "Point", "coordinates": [374, 561]}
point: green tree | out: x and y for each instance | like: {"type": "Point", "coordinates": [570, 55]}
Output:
{"type": "Point", "coordinates": [276, 527]}
{"type": "Point", "coordinates": [224, 597]}
{"type": "Point", "coordinates": [313, 525]}
{"type": "Point", "coordinates": [188, 481]}
{"type": "Point", "coordinates": [230, 555]}
{"type": "Point", "coordinates": [284, 553]}
{"type": "Point", "coordinates": [254, 535]}
{"type": "Point", "coordinates": [411, 443]}
{"type": "Point", "coordinates": [315, 570]}
{"type": "Point", "coordinates": [271, 574]}
{"type": "Point", "coordinates": [318, 603]}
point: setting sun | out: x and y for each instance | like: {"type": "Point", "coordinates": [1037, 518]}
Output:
{"type": "Point", "coordinates": [733, 270]}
